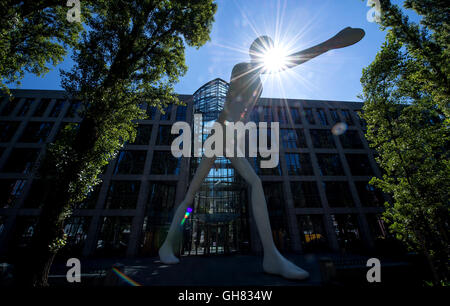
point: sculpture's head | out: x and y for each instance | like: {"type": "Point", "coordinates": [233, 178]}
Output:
{"type": "Point", "coordinates": [259, 47]}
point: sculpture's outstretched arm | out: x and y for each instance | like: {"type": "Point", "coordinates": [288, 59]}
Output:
{"type": "Point", "coordinates": [344, 38]}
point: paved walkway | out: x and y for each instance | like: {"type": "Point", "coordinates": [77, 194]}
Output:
{"type": "Point", "coordinates": [235, 270]}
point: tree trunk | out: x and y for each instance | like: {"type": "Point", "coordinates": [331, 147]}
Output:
{"type": "Point", "coordinates": [36, 264]}
{"type": "Point", "coordinates": [37, 261]}
{"type": "Point", "coordinates": [434, 273]}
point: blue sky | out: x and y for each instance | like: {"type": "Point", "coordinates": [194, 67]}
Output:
{"type": "Point", "coordinates": [299, 23]}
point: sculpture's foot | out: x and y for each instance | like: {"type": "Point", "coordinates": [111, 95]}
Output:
{"type": "Point", "coordinates": [166, 255]}
{"type": "Point", "coordinates": [279, 265]}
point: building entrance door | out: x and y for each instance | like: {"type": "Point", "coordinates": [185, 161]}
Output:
{"type": "Point", "coordinates": [218, 223]}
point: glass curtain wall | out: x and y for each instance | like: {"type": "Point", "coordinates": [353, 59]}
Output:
{"type": "Point", "coordinates": [218, 222]}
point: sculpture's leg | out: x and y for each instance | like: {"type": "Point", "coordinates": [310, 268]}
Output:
{"type": "Point", "coordinates": [273, 261]}
{"type": "Point", "coordinates": [166, 253]}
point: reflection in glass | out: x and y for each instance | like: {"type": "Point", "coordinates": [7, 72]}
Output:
{"type": "Point", "coordinates": [330, 164]}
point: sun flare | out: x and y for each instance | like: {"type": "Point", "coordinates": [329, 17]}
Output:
{"type": "Point", "coordinates": [275, 59]}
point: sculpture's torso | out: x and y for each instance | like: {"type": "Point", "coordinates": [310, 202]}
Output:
{"type": "Point", "coordinates": [245, 90]}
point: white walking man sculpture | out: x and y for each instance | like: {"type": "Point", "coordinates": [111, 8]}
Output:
{"type": "Point", "coordinates": [244, 91]}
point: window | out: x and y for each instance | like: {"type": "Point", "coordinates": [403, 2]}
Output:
{"type": "Point", "coordinates": [359, 164]}
{"type": "Point", "coordinates": [351, 140]}
{"type": "Point", "coordinates": [167, 113]}
{"type": "Point", "coordinates": [264, 171]}
{"type": "Point", "coordinates": [334, 115]}
{"type": "Point", "coordinates": [322, 116]}
{"type": "Point", "coordinates": [24, 230]}
{"type": "Point", "coordinates": [151, 112]}
{"type": "Point", "coordinates": [165, 163]}
{"type": "Point", "coordinates": [299, 164]}
{"type": "Point", "coordinates": [143, 134]}
{"type": "Point", "coordinates": [76, 229]}
{"type": "Point", "coordinates": [114, 236]}
{"type": "Point", "coordinates": [359, 114]}
{"type": "Point", "coordinates": [301, 139]}
{"type": "Point", "coordinates": [254, 115]}
{"type": "Point", "coordinates": [2, 225]}
{"type": "Point", "coordinates": [130, 162]}
{"type": "Point", "coordinates": [330, 164]}
{"type": "Point", "coordinates": [295, 113]}
{"type": "Point", "coordinates": [41, 107]}
{"type": "Point", "coordinates": [21, 160]}
{"type": "Point", "coordinates": [309, 116]}
{"type": "Point", "coordinates": [322, 139]}
{"type": "Point", "coordinates": [347, 232]}
{"type": "Point", "coordinates": [282, 115]}
{"type": "Point", "coordinates": [288, 138]}
{"type": "Point", "coordinates": [181, 113]}
{"type": "Point", "coordinates": [122, 195]}
{"type": "Point", "coordinates": [369, 195]}
{"type": "Point", "coordinates": [164, 137]}
{"type": "Point", "coordinates": [305, 194]}
{"type": "Point", "coordinates": [9, 106]}
{"type": "Point", "coordinates": [275, 205]}
{"type": "Point", "coordinates": [338, 194]}
{"type": "Point", "coordinates": [57, 108]}
{"type": "Point", "coordinates": [7, 130]}
{"type": "Point", "coordinates": [312, 233]}
{"type": "Point", "coordinates": [10, 191]}
{"type": "Point", "coordinates": [73, 109]}
{"type": "Point", "coordinates": [37, 195]}
{"type": "Point", "coordinates": [161, 200]}
{"type": "Point", "coordinates": [267, 113]}
{"type": "Point", "coordinates": [348, 117]}
{"type": "Point", "coordinates": [25, 108]}
{"type": "Point", "coordinates": [36, 132]}
{"type": "Point", "coordinates": [377, 226]}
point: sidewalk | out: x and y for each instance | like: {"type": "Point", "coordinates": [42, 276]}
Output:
{"type": "Point", "coordinates": [235, 270]}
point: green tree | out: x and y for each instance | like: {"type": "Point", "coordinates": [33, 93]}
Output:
{"type": "Point", "coordinates": [133, 53]}
{"type": "Point", "coordinates": [406, 94]}
{"type": "Point", "coordinates": [34, 34]}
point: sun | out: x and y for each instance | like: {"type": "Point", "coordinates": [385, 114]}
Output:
{"type": "Point", "coordinates": [275, 59]}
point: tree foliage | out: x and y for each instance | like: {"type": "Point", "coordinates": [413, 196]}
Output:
{"type": "Point", "coordinates": [34, 34]}
{"type": "Point", "coordinates": [133, 53]}
{"type": "Point", "coordinates": [406, 94]}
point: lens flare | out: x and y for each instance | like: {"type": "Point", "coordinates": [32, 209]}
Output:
{"type": "Point", "coordinates": [186, 215]}
{"type": "Point", "coordinates": [275, 59]}
{"type": "Point", "coordinates": [126, 278]}
{"type": "Point", "coordinates": [339, 128]}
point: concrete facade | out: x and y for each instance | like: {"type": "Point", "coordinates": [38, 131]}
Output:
{"type": "Point", "coordinates": [21, 115]}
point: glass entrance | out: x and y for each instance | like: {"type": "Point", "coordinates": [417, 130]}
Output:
{"type": "Point", "coordinates": [218, 222]}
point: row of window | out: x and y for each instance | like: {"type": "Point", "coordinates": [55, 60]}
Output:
{"type": "Point", "coordinates": [299, 164]}
{"type": "Point", "coordinates": [259, 113]}
{"type": "Point", "coordinates": [294, 115]}
{"type": "Point", "coordinates": [37, 132]}
{"type": "Point", "coordinates": [22, 160]}
{"type": "Point", "coordinates": [120, 195]}
{"type": "Point", "coordinates": [306, 195]}
{"type": "Point", "coordinates": [114, 235]}
{"type": "Point", "coordinates": [124, 194]}
{"type": "Point", "coordinates": [321, 139]}
{"type": "Point", "coordinates": [313, 234]}
{"type": "Point", "coordinates": [11, 108]}
{"type": "Point", "coordinates": [41, 109]}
